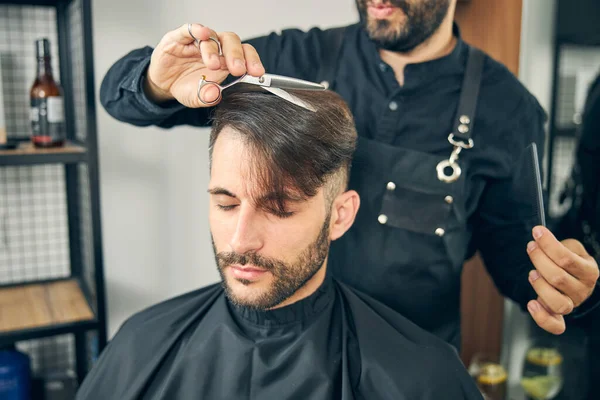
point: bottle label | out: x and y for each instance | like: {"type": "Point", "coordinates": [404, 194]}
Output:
{"type": "Point", "coordinates": [47, 120]}
{"type": "Point", "coordinates": [56, 111]}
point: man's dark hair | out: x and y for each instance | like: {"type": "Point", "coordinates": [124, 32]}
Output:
{"type": "Point", "coordinates": [296, 151]}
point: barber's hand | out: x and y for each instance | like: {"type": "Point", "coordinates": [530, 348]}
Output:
{"type": "Point", "coordinates": [177, 65]}
{"type": "Point", "coordinates": [564, 277]}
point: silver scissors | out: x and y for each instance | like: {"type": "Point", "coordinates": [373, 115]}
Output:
{"type": "Point", "coordinates": [275, 84]}
{"type": "Point", "coordinates": [272, 83]}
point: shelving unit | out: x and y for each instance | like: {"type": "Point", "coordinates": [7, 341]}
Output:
{"type": "Point", "coordinates": [576, 51]}
{"type": "Point", "coordinates": [27, 154]}
{"type": "Point", "coordinates": [36, 310]}
{"type": "Point", "coordinates": [51, 263]}
{"type": "Point", "coordinates": [576, 28]}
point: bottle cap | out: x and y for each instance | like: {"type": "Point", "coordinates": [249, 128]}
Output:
{"type": "Point", "coordinates": [42, 48]}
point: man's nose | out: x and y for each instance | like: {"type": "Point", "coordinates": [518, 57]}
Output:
{"type": "Point", "coordinates": [247, 236]}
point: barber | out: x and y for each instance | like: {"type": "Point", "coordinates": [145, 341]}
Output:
{"type": "Point", "coordinates": [441, 125]}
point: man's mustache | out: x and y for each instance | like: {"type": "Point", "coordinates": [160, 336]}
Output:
{"type": "Point", "coordinates": [225, 259]}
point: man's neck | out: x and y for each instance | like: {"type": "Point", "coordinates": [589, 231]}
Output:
{"type": "Point", "coordinates": [440, 44]}
{"type": "Point", "coordinates": [309, 288]}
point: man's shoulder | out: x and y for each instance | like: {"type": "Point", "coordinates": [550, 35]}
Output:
{"type": "Point", "coordinates": [399, 355]}
{"type": "Point", "coordinates": [171, 311]}
{"type": "Point", "coordinates": [319, 31]}
{"type": "Point", "coordinates": [502, 89]}
{"type": "Point", "coordinates": [142, 342]}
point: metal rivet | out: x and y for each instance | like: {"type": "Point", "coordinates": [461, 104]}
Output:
{"type": "Point", "coordinates": [464, 119]}
{"type": "Point", "coordinates": [440, 232]}
{"type": "Point", "coordinates": [326, 84]}
{"type": "Point", "coordinates": [261, 79]}
{"type": "Point", "coordinates": [382, 219]}
{"type": "Point", "coordinates": [449, 199]}
{"type": "Point", "coordinates": [391, 186]}
{"type": "Point", "coordinates": [463, 128]}
{"type": "Point", "coordinates": [393, 105]}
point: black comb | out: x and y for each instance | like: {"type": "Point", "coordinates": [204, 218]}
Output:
{"type": "Point", "coordinates": [528, 187]}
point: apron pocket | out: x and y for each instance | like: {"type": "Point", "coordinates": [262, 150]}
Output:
{"type": "Point", "coordinates": [416, 211]}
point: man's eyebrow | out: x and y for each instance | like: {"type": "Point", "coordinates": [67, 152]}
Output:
{"type": "Point", "coordinates": [221, 191]}
{"type": "Point", "coordinates": [285, 197]}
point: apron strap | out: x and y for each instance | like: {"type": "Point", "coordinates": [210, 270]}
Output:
{"type": "Point", "coordinates": [465, 115]}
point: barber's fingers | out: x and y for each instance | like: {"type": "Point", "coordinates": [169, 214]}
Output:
{"type": "Point", "coordinates": [210, 93]}
{"type": "Point", "coordinates": [193, 40]}
{"type": "Point", "coordinates": [545, 319]}
{"type": "Point", "coordinates": [556, 301]}
{"type": "Point", "coordinates": [253, 63]}
{"type": "Point", "coordinates": [238, 58]}
{"type": "Point", "coordinates": [233, 56]}
{"type": "Point", "coordinates": [187, 33]}
{"type": "Point", "coordinates": [233, 52]}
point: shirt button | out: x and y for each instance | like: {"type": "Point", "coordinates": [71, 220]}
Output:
{"type": "Point", "coordinates": [449, 199]}
{"type": "Point", "coordinates": [440, 232]}
{"type": "Point", "coordinates": [391, 186]}
{"type": "Point", "coordinates": [382, 219]}
{"type": "Point", "coordinates": [382, 67]}
{"type": "Point", "coordinates": [393, 105]}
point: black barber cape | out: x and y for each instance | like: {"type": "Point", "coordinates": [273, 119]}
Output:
{"type": "Point", "coordinates": [335, 344]}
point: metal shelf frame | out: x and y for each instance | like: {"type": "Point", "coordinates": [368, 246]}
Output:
{"type": "Point", "coordinates": [71, 157]}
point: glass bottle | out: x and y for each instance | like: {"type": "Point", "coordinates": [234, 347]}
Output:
{"type": "Point", "coordinates": [47, 105]}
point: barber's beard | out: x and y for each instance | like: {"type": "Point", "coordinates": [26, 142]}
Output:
{"type": "Point", "coordinates": [423, 18]}
{"type": "Point", "coordinates": [288, 278]}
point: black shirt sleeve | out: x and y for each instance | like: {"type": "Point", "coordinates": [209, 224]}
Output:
{"type": "Point", "coordinates": [500, 232]}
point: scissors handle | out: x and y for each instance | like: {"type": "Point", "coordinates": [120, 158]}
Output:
{"type": "Point", "coordinates": [203, 82]}
{"type": "Point", "coordinates": [270, 82]}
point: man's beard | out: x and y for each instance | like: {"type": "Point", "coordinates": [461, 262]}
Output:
{"type": "Point", "coordinates": [423, 18]}
{"type": "Point", "coordinates": [287, 277]}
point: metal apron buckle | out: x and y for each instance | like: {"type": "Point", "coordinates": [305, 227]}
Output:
{"type": "Point", "coordinates": [452, 161]}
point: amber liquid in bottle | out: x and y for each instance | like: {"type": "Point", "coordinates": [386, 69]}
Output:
{"type": "Point", "coordinates": [47, 106]}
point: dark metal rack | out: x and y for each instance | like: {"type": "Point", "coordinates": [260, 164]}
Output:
{"type": "Point", "coordinates": [576, 24]}
{"type": "Point", "coordinates": [576, 29]}
{"type": "Point", "coordinates": [76, 174]}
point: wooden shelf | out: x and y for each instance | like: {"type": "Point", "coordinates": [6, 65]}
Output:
{"type": "Point", "coordinates": [27, 154]}
{"type": "Point", "coordinates": [44, 305]}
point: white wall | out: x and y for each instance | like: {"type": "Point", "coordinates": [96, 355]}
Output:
{"type": "Point", "coordinates": [153, 182]}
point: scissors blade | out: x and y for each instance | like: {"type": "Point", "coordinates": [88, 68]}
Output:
{"type": "Point", "coordinates": [286, 82]}
{"type": "Point", "coordinates": [290, 97]}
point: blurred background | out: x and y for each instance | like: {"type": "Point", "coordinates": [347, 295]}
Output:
{"type": "Point", "coordinates": [116, 220]}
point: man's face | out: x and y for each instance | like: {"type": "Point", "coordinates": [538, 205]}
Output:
{"type": "Point", "coordinates": [402, 25]}
{"type": "Point", "coordinates": [263, 257]}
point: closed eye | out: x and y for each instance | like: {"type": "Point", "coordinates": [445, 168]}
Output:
{"type": "Point", "coordinates": [226, 208]}
{"type": "Point", "coordinates": [282, 215]}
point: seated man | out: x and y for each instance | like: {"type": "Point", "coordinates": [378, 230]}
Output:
{"type": "Point", "coordinates": [277, 326]}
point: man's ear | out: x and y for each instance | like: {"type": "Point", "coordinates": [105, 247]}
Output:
{"type": "Point", "coordinates": [343, 212]}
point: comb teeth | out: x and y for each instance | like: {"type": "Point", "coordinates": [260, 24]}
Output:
{"type": "Point", "coordinates": [538, 192]}
{"type": "Point", "coordinates": [527, 188]}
